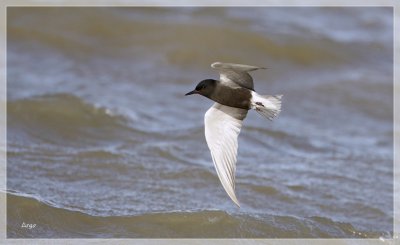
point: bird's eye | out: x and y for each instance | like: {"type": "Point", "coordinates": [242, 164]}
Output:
{"type": "Point", "coordinates": [201, 87]}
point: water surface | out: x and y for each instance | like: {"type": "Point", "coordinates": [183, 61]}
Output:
{"type": "Point", "coordinates": [103, 143]}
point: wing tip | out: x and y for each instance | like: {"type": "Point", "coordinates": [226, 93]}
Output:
{"type": "Point", "coordinates": [234, 199]}
{"type": "Point", "coordinates": [237, 203]}
{"type": "Point", "coordinates": [222, 65]}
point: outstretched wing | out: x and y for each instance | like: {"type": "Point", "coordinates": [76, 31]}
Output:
{"type": "Point", "coordinates": [222, 127]}
{"type": "Point", "coordinates": [236, 74]}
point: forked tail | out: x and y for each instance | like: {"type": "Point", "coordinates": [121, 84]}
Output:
{"type": "Point", "coordinates": [266, 105]}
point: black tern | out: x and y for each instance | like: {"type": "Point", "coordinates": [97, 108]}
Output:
{"type": "Point", "coordinates": [234, 95]}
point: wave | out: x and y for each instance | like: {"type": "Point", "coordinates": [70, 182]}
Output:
{"type": "Point", "coordinates": [137, 34]}
{"type": "Point", "coordinates": [51, 221]}
{"type": "Point", "coordinates": [62, 117]}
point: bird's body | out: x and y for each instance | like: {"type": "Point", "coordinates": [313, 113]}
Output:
{"type": "Point", "coordinates": [234, 95]}
{"type": "Point", "coordinates": [223, 94]}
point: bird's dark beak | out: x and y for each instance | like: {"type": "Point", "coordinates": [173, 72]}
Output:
{"type": "Point", "coordinates": [192, 92]}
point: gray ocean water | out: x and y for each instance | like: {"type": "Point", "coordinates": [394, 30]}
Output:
{"type": "Point", "coordinates": [103, 143]}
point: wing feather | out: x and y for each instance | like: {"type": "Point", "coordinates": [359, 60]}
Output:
{"type": "Point", "coordinates": [236, 74]}
{"type": "Point", "coordinates": [222, 127]}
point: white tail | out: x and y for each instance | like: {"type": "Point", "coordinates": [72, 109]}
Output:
{"type": "Point", "coordinates": [266, 105]}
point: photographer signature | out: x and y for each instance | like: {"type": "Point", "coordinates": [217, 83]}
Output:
{"type": "Point", "coordinates": [28, 226]}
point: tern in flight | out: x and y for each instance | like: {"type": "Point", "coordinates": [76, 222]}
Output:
{"type": "Point", "coordinates": [234, 95]}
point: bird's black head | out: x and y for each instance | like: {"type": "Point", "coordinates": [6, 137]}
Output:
{"type": "Point", "coordinates": [205, 88]}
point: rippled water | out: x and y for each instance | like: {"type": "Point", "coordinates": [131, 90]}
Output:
{"type": "Point", "coordinates": [101, 136]}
